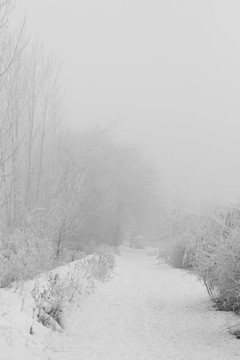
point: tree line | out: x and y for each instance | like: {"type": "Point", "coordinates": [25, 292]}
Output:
{"type": "Point", "coordinates": [68, 190]}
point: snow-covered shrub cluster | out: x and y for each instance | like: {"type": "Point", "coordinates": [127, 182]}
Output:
{"type": "Point", "coordinates": [105, 262]}
{"type": "Point", "coordinates": [217, 257]}
{"type": "Point", "coordinates": [173, 253]}
{"type": "Point", "coordinates": [64, 283]}
{"type": "Point", "coordinates": [178, 247]}
{"type": "Point", "coordinates": [23, 255]}
{"type": "Point", "coordinates": [210, 247]}
{"type": "Point", "coordinates": [49, 302]}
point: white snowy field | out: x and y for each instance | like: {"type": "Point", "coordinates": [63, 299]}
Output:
{"type": "Point", "coordinates": [145, 312]}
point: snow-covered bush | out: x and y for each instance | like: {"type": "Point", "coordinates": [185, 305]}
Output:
{"type": "Point", "coordinates": [23, 255]}
{"type": "Point", "coordinates": [105, 262]}
{"type": "Point", "coordinates": [179, 249]}
{"type": "Point", "coordinates": [217, 260]}
{"type": "Point", "coordinates": [48, 302]}
{"type": "Point", "coordinates": [174, 253]}
{"type": "Point", "coordinates": [52, 291]}
{"type": "Point", "coordinates": [209, 246]}
{"type": "Point", "coordinates": [101, 263]}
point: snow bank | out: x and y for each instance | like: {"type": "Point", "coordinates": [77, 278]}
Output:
{"type": "Point", "coordinates": [22, 336]}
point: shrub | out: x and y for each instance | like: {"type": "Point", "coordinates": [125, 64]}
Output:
{"type": "Point", "coordinates": [48, 302]}
{"type": "Point", "coordinates": [217, 261]}
{"type": "Point", "coordinates": [23, 255]}
{"type": "Point", "coordinates": [62, 284]}
{"type": "Point", "coordinates": [211, 249]}
{"type": "Point", "coordinates": [174, 253]}
{"type": "Point", "coordinates": [103, 262]}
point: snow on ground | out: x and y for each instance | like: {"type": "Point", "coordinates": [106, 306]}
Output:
{"type": "Point", "coordinates": [18, 311]}
{"type": "Point", "coordinates": [16, 342]}
{"type": "Point", "coordinates": [145, 312]}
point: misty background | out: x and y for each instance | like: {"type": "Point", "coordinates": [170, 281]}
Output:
{"type": "Point", "coordinates": [167, 71]}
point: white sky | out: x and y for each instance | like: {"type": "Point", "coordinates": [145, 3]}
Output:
{"type": "Point", "coordinates": [168, 70]}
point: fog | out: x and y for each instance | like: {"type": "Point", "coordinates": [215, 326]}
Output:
{"type": "Point", "coordinates": [167, 71]}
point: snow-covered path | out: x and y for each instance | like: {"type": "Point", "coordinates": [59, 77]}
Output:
{"type": "Point", "coordinates": [146, 312]}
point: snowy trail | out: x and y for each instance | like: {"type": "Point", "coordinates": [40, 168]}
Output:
{"type": "Point", "coordinates": [146, 312]}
